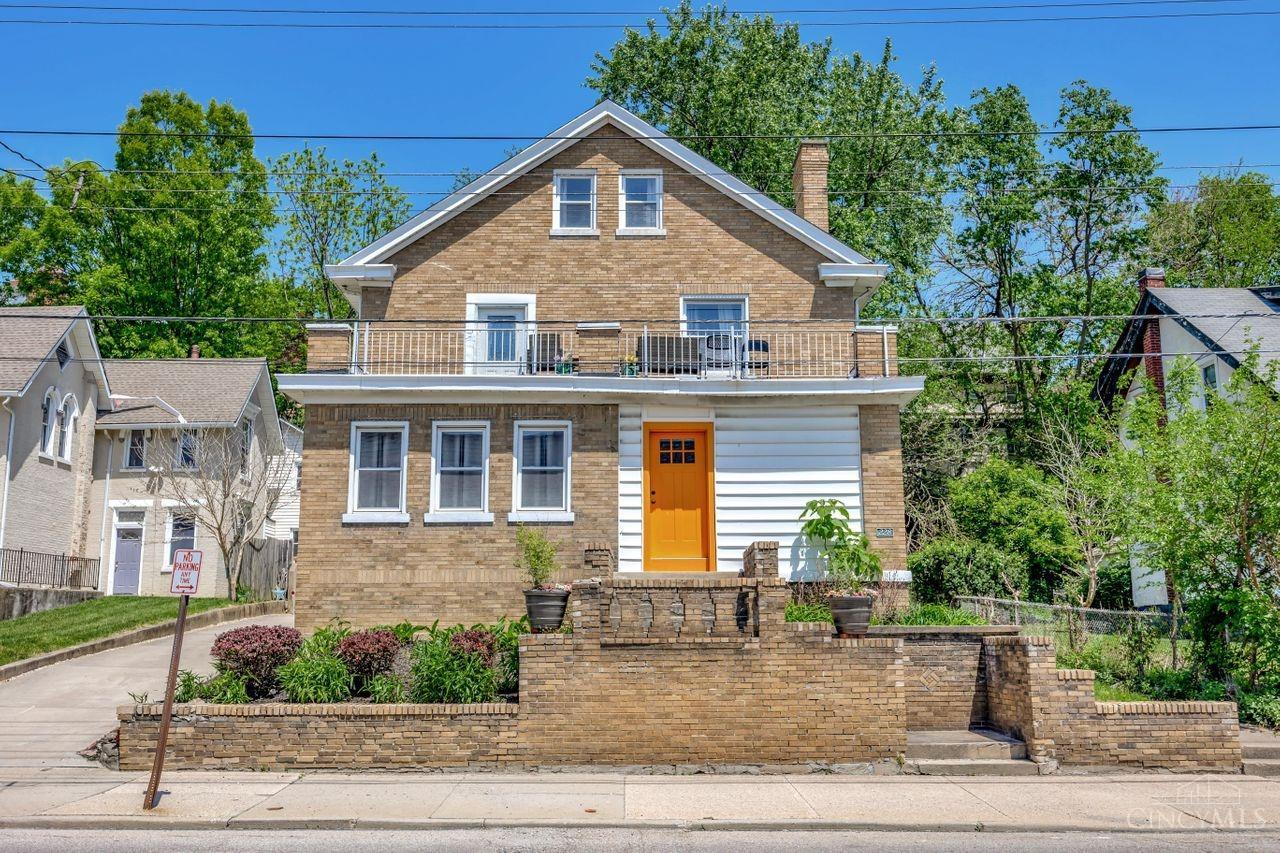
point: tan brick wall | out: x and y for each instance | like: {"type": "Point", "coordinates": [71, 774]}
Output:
{"type": "Point", "coordinates": [945, 684]}
{"type": "Point", "coordinates": [373, 574]}
{"type": "Point", "coordinates": [328, 348]}
{"type": "Point", "coordinates": [882, 491]}
{"type": "Point", "coordinates": [809, 178]}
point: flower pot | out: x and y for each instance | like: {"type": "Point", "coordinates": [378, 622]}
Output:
{"type": "Point", "coordinates": [546, 608]}
{"type": "Point", "coordinates": [851, 613]}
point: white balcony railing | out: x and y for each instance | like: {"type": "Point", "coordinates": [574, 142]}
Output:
{"type": "Point", "coordinates": [735, 350]}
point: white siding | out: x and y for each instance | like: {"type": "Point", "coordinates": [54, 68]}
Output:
{"type": "Point", "coordinates": [284, 519]}
{"type": "Point", "coordinates": [770, 460]}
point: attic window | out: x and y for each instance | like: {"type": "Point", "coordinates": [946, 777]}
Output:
{"type": "Point", "coordinates": [64, 354]}
{"type": "Point", "coordinates": [574, 202]}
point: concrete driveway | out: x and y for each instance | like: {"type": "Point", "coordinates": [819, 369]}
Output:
{"type": "Point", "coordinates": [47, 715]}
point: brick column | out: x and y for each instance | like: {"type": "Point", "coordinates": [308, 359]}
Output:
{"type": "Point", "coordinates": [584, 608]}
{"type": "Point", "coordinates": [597, 559]}
{"type": "Point", "coordinates": [883, 500]}
{"type": "Point", "coordinates": [328, 348]}
{"type": "Point", "coordinates": [870, 345]}
{"type": "Point", "coordinates": [760, 560]}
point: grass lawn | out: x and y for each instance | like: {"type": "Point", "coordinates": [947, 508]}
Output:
{"type": "Point", "coordinates": [1116, 693]}
{"type": "Point", "coordinates": [50, 630]}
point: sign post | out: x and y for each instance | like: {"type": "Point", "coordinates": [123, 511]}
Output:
{"type": "Point", "coordinates": [184, 582]}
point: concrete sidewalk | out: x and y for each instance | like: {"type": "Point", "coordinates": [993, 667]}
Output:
{"type": "Point", "coordinates": [91, 797]}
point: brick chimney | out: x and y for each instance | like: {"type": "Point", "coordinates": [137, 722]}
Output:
{"type": "Point", "coordinates": [195, 351]}
{"type": "Point", "coordinates": [1152, 361]}
{"type": "Point", "coordinates": [809, 181]}
{"type": "Point", "coordinates": [1150, 277]}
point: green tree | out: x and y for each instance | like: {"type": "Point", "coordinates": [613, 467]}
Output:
{"type": "Point", "coordinates": [332, 208]}
{"type": "Point", "coordinates": [1018, 510]}
{"type": "Point", "coordinates": [179, 227]}
{"type": "Point", "coordinates": [739, 90]}
{"type": "Point", "coordinates": [1204, 506]}
{"type": "Point", "coordinates": [1225, 233]}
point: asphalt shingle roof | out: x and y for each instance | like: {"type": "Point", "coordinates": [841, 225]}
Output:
{"type": "Point", "coordinates": [25, 340]}
{"type": "Point", "coordinates": [1233, 334]}
{"type": "Point", "coordinates": [203, 390]}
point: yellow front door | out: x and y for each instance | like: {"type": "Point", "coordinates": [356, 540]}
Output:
{"type": "Point", "coordinates": [679, 489]}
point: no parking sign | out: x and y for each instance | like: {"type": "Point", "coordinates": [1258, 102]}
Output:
{"type": "Point", "coordinates": [186, 571]}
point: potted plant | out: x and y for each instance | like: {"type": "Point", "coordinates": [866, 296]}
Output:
{"type": "Point", "coordinates": [630, 365]}
{"type": "Point", "coordinates": [850, 566]}
{"type": "Point", "coordinates": [544, 601]}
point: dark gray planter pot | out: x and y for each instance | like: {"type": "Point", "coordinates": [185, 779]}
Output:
{"type": "Point", "coordinates": [851, 613]}
{"type": "Point", "coordinates": [546, 608]}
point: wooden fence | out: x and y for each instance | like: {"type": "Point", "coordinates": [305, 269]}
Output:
{"type": "Point", "coordinates": [267, 565]}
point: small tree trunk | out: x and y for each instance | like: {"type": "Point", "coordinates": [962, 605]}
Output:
{"type": "Point", "coordinates": [231, 565]}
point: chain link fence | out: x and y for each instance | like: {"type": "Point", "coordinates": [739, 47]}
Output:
{"type": "Point", "coordinates": [1061, 619]}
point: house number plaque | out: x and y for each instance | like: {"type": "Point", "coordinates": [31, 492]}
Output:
{"type": "Point", "coordinates": [884, 532]}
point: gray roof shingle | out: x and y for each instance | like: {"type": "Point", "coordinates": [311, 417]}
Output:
{"type": "Point", "coordinates": [26, 339]}
{"type": "Point", "coordinates": [1233, 334]}
{"type": "Point", "coordinates": [203, 390]}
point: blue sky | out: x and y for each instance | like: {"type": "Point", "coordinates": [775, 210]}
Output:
{"type": "Point", "coordinates": [1173, 72]}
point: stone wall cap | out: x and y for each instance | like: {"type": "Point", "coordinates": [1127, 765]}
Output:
{"type": "Point", "coordinates": [942, 630]}
{"type": "Point", "coordinates": [344, 709]}
{"type": "Point", "coordinates": [1165, 708]}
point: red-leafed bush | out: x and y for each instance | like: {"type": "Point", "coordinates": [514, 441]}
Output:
{"type": "Point", "coordinates": [368, 653]}
{"type": "Point", "coordinates": [254, 652]}
{"type": "Point", "coordinates": [476, 641]}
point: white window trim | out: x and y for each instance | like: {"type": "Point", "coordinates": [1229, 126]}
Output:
{"type": "Point", "coordinates": [436, 515]}
{"type": "Point", "coordinates": [178, 464]}
{"type": "Point", "coordinates": [625, 230]}
{"type": "Point", "coordinates": [124, 457]}
{"type": "Point", "coordinates": [556, 230]}
{"type": "Point", "coordinates": [520, 514]}
{"type": "Point", "coordinates": [474, 333]}
{"type": "Point", "coordinates": [247, 436]}
{"type": "Point", "coordinates": [712, 297]}
{"type": "Point", "coordinates": [354, 515]}
{"type": "Point", "coordinates": [68, 436]}
{"type": "Point", "coordinates": [167, 568]}
{"type": "Point", "coordinates": [49, 430]}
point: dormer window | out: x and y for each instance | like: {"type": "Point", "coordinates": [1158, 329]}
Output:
{"type": "Point", "coordinates": [64, 354]}
{"type": "Point", "coordinates": [574, 202]}
{"type": "Point", "coordinates": [640, 203]}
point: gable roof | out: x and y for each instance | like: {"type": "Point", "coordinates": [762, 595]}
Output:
{"type": "Point", "coordinates": [1227, 320]}
{"type": "Point", "coordinates": [604, 113]}
{"type": "Point", "coordinates": [195, 391]}
{"type": "Point", "coordinates": [29, 334]}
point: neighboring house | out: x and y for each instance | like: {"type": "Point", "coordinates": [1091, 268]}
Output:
{"type": "Point", "coordinates": [283, 522]}
{"type": "Point", "coordinates": [53, 385]}
{"type": "Point", "coordinates": [1215, 328]}
{"type": "Point", "coordinates": [616, 341]}
{"type": "Point", "coordinates": [162, 410]}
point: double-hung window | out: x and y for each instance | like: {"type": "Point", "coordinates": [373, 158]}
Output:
{"type": "Point", "coordinates": [460, 473]}
{"type": "Point", "coordinates": [246, 445]}
{"type": "Point", "coordinates": [574, 202]}
{"type": "Point", "coordinates": [542, 472]}
{"type": "Point", "coordinates": [182, 536]}
{"type": "Point", "coordinates": [379, 457]}
{"type": "Point", "coordinates": [48, 422]}
{"type": "Point", "coordinates": [185, 456]}
{"type": "Point", "coordinates": [640, 203]}
{"type": "Point", "coordinates": [135, 450]}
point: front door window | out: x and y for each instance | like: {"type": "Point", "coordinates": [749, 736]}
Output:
{"type": "Point", "coordinates": [722, 326]}
{"type": "Point", "coordinates": [500, 339]}
{"type": "Point", "coordinates": [678, 518]}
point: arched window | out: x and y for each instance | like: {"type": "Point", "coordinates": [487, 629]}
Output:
{"type": "Point", "coordinates": [68, 412]}
{"type": "Point", "coordinates": [47, 409]}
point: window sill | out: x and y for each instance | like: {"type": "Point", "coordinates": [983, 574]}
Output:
{"type": "Point", "coordinates": [575, 232]}
{"type": "Point", "coordinates": [375, 518]}
{"type": "Point", "coordinates": [458, 517]}
{"type": "Point", "coordinates": [543, 516]}
{"type": "Point", "coordinates": [641, 232]}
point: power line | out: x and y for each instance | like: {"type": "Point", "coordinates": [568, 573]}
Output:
{"type": "Point", "coordinates": [531, 13]}
{"type": "Point", "coordinates": [283, 25]}
{"type": "Point", "coordinates": [937, 134]}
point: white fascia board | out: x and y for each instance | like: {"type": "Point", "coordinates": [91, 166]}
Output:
{"type": "Point", "coordinates": [337, 389]}
{"type": "Point", "coordinates": [606, 112]}
{"type": "Point", "coordinates": [868, 276]}
{"type": "Point", "coordinates": [369, 275]}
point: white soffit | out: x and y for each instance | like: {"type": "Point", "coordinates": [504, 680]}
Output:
{"type": "Point", "coordinates": [605, 112]}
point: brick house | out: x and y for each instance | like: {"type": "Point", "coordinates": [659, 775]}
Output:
{"type": "Point", "coordinates": [86, 443]}
{"type": "Point", "coordinates": [607, 336]}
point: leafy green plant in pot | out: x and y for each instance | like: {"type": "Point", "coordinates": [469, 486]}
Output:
{"type": "Point", "coordinates": [544, 601]}
{"type": "Point", "coordinates": [849, 564]}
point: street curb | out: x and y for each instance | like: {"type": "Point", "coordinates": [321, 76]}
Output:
{"type": "Point", "coordinates": [143, 634]}
{"type": "Point", "coordinates": [258, 825]}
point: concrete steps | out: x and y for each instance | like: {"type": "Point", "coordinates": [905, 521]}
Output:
{"type": "Point", "coordinates": [975, 752]}
{"type": "Point", "coordinates": [1261, 752]}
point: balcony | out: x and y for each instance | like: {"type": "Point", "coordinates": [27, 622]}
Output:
{"type": "Point", "coordinates": [755, 350]}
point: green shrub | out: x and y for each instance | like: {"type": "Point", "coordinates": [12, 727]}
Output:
{"type": "Point", "coordinates": [506, 661]}
{"type": "Point", "coordinates": [386, 689]}
{"type": "Point", "coordinates": [315, 679]}
{"type": "Point", "coordinates": [933, 614]}
{"type": "Point", "coordinates": [1261, 709]}
{"type": "Point", "coordinates": [188, 686]}
{"type": "Point", "coordinates": [801, 611]}
{"type": "Point", "coordinates": [849, 564]}
{"type": "Point", "coordinates": [443, 672]}
{"type": "Point", "coordinates": [948, 568]}
{"type": "Point", "coordinates": [225, 688]}
{"type": "Point", "coordinates": [1016, 509]}
{"type": "Point", "coordinates": [404, 630]}
{"type": "Point", "coordinates": [325, 641]}
{"type": "Point", "coordinates": [537, 556]}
